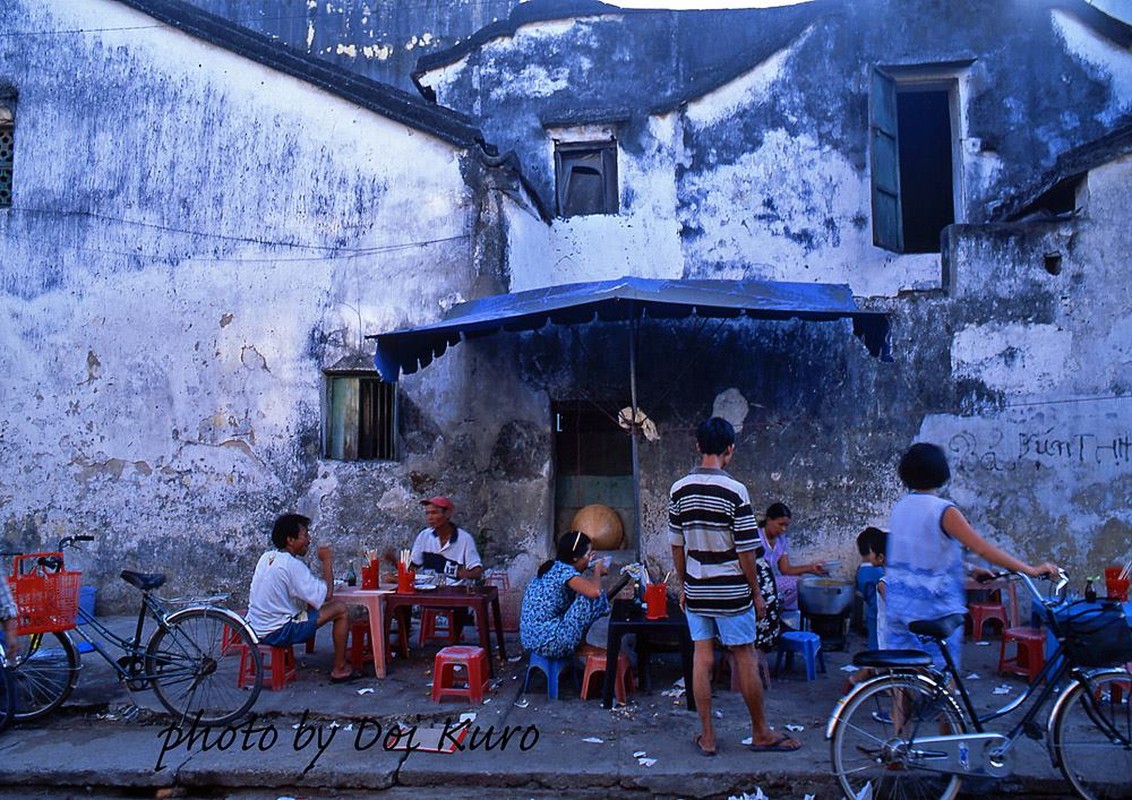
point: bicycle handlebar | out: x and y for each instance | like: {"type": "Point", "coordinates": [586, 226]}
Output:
{"type": "Point", "coordinates": [53, 563]}
{"type": "Point", "coordinates": [70, 541]}
{"type": "Point", "coordinates": [1049, 601]}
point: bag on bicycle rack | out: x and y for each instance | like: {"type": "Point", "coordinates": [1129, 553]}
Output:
{"type": "Point", "coordinates": [1096, 634]}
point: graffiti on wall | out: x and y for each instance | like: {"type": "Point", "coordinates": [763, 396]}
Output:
{"type": "Point", "coordinates": [1002, 451]}
{"type": "Point", "coordinates": [1087, 436]}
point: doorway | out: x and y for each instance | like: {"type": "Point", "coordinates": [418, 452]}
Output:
{"type": "Point", "coordinates": [593, 463]}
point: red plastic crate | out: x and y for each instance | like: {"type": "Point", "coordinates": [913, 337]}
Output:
{"type": "Point", "coordinates": [47, 600]}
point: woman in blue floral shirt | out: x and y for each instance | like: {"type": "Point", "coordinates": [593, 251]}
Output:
{"type": "Point", "coordinates": [559, 605]}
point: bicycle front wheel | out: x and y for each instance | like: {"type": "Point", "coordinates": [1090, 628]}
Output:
{"type": "Point", "coordinates": [43, 673]}
{"type": "Point", "coordinates": [1092, 736]}
{"type": "Point", "coordinates": [874, 737]}
{"type": "Point", "coordinates": [193, 664]}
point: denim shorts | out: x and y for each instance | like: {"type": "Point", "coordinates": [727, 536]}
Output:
{"type": "Point", "coordinates": [735, 629]}
{"type": "Point", "coordinates": [292, 632]}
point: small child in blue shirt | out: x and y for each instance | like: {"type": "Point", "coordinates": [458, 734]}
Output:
{"type": "Point", "coordinates": [871, 544]}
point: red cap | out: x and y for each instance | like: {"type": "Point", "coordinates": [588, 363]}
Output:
{"type": "Point", "coordinates": [439, 502]}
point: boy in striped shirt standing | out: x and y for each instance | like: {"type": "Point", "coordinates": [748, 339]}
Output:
{"type": "Point", "coordinates": [714, 537]}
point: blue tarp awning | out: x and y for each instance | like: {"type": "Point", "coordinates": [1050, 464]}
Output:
{"type": "Point", "coordinates": [406, 351]}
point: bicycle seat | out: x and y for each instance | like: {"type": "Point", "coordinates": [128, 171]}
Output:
{"type": "Point", "coordinates": [936, 628]}
{"type": "Point", "coordinates": [143, 580]}
{"type": "Point", "coordinates": [892, 658]}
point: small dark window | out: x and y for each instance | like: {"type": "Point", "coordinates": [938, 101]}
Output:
{"type": "Point", "coordinates": [7, 154]}
{"type": "Point", "coordinates": [586, 176]}
{"type": "Point", "coordinates": [361, 419]}
{"type": "Point", "coordinates": [912, 169]}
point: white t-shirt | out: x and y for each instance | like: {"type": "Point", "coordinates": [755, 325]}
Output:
{"type": "Point", "coordinates": [282, 589]}
{"type": "Point", "coordinates": [459, 552]}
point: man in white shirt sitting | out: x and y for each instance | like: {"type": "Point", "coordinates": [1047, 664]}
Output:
{"type": "Point", "coordinates": [445, 548]}
{"type": "Point", "coordinates": [448, 550]}
{"type": "Point", "coordinates": [287, 603]}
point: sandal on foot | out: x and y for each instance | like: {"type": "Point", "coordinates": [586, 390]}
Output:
{"type": "Point", "coordinates": [783, 744]}
{"type": "Point", "coordinates": [696, 740]}
{"type": "Point", "coordinates": [353, 676]}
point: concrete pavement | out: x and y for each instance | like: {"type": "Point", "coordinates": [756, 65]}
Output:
{"type": "Point", "coordinates": [316, 739]}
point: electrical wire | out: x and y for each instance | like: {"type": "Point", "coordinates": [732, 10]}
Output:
{"type": "Point", "coordinates": [323, 251]}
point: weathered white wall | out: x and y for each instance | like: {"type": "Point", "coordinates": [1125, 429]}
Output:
{"type": "Point", "coordinates": [1051, 470]}
{"type": "Point", "coordinates": [193, 239]}
{"type": "Point", "coordinates": [606, 246]}
{"type": "Point", "coordinates": [765, 175]}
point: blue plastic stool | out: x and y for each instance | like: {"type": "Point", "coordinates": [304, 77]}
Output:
{"type": "Point", "coordinates": [805, 642]}
{"type": "Point", "coordinates": [552, 668]}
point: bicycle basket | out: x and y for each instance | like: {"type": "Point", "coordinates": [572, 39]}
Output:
{"type": "Point", "coordinates": [46, 600]}
{"type": "Point", "coordinates": [1096, 634]}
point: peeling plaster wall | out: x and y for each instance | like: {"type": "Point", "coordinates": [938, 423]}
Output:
{"type": "Point", "coordinates": [769, 166]}
{"type": "Point", "coordinates": [193, 239]}
{"type": "Point", "coordinates": [743, 153]}
{"type": "Point", "coordinates": [196, 238]}
{"type": "Point", "coordinates": [381, 39]}
{"type": "Point", "coordinates": [1045, 460]}
{"type": "Point", "coordinates": [603, 247]}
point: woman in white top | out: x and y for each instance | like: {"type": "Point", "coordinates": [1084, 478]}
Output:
{"type": "Point", "coordinates": [924, 569]}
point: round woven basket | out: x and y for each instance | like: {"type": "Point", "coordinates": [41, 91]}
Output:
{"type": "Point", "coordinates": [601, 524]}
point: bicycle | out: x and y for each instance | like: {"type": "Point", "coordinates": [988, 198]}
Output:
{"type": "Point", "coordinates": [904, 733]}
{"type": "Point", "coordinates": [191, 660]}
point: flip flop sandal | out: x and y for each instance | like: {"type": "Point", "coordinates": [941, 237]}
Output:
{"type": "Point", "coordinates": [703, 751]}
{"type": "Point", "coordinates": [777, 746]}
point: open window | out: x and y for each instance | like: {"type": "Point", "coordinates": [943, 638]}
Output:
{"type": "Point", "coordinates": [913, 133]}
{"type": "Point", "coordinates": [360, 417]}
{"type": "Point", "coordinates": [586, 178]}
{"type": "Point", "coordinates": [7, 151]}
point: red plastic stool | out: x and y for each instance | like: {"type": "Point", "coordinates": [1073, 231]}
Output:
{"type": "Point", "coordinates": [497, 578]}
{"type": "Point", "coordinates": [361, 648]}
{"type": "Point", "coordinates": [982, 613]}
{"type": "Point", "coordinates": [453, 659]}
{"type": "Point", "coordinates": [278, 666]}
{"type": "Point", "coordinates": [596, 665]}
{"type": "Point", "coordinates": [1029, 657]}
{"type": "Point", "coordinates": [429, 630]}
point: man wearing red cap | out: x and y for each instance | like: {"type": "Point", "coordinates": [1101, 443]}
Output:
{"type": "Point", "coordinates": [445, 548]}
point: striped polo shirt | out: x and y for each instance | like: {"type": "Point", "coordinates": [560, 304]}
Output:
{"type": "Point", "coordinates": [710, 516]}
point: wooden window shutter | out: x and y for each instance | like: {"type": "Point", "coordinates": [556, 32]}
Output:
{"type": "Point", "coordinates": [888, 231]}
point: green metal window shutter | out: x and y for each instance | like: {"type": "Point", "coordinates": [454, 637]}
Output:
{"type": "Point", "coordinates": [887, 229]}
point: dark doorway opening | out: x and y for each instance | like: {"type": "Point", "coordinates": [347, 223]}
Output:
{"type": "Point", "coordinates": [593, 463]}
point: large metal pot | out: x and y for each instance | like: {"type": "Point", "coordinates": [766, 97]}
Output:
{"type": "Point", "coordinates": [824, 596]}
